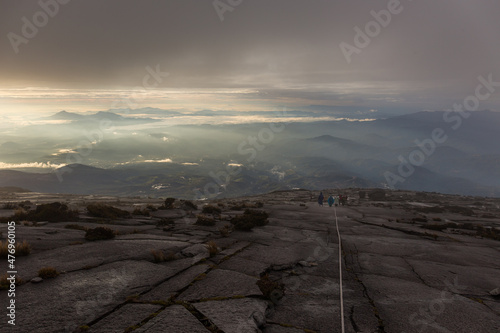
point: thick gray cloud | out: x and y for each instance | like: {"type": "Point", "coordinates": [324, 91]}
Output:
{"type": "Point", "coordinates": [429, 55]}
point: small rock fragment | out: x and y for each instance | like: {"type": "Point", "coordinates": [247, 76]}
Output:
{"type": "Point", "coordinates": [36, 280]}
{"type": "Point", "coordinates": [194, 250]}
{"type": "Point", "coordinates": [495, 292]}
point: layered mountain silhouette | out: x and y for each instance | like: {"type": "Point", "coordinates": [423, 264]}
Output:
{"type": "Point", "coordinates": [187, 160]}
{"type": "Point", "coordinates": [98, 116]}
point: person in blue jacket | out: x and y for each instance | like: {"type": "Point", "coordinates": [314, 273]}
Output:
{"type": "Point", "coordinates": [320, 199]}
{"type": "Point", "coordinates": [331, 200]}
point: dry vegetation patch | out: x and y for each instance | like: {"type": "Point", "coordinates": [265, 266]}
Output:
{"type": "Point", "coordinates": [5, 282]}
{"type": "Point", "coordinates": [106, 211]}
{"type": "Point", "coordinates": [226, 230]}
{"type": "Point", "coordinates": [22, 249]}
{"type": "Point", "coordinates": [51, 212]}
{"type": "Point", "coordinates": [209, 209]}
{"type": "Point", "coordinates": [48, 273]}
{"type": "Point", "coordinates": [205, 221]}
{"type": "Point", "coordinates": [160, 256]}
{"type": "Point", "coordinates": [212, 247]}
{"type": "Point", "coordinates": [272, 290]}
{"type": "Point", "coordinates": [249, 219]}
{"type": "Point", "coordinates": [99, 233]}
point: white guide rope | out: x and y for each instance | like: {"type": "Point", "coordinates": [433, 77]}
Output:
{"type": "Point", "coordinates": [340, 273]}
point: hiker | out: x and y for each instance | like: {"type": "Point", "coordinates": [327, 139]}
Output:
{"type": "Point", "coordinates": [320, 199]}
{"type": "Point", "coordinates": [331, 200]}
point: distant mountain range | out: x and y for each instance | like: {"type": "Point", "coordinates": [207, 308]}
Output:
{"type": "Point", "coordinates": [194, 160]}
{"type": "Point", "coordinates": [98, 116]}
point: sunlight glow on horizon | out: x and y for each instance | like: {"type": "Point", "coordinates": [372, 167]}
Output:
{"type": "Point", "coordinates": [44, 100]}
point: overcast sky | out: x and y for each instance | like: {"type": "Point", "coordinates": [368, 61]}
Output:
{"type": "Point", "coordinates": [263, 54]}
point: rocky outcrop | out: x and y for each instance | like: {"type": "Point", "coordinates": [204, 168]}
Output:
{"type": "Point", "coordinates": [404, 269]}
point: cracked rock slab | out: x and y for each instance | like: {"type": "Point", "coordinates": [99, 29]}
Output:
{"type": "Point", "coordinates": [285, 255]}
{"type": "Point", "coordinates": [407, 306]}
{"type": "Point", "coordinates": [281, 329]}
{"type": "Point", "coordinates": [94, 253]}
{"type": "Point", "coordinates": [127, 316]}
{"type": "Point", "coordinates": [245, 266]}
{"type": "Point", "coordinates": [174, 319]}
{"type": "Point", "coordinates": [70, 300]}
{"type": "Point", "coordinates": [237, 315]}
{"type": "Point", "coordinates": [314, 313]}
{"type": "Point", "coordinates": [173, 285]}
{"type": "Point", "coordinates": [222, 283]}
{"type": "Point", "coordinates": [196, 250]}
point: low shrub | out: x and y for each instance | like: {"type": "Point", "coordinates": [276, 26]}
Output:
{"type": "Point", "coordinates": [4, 249]}
{"type": "Point", "coordinates": [226, 230]}
{"type": "Point", "coordinates": [205, 221]}
{"type": "Point", "coordinates": [168, 204]}
{"type": "Point", "coordinates": [5, 283]}
{"type": "Point", "coordinates": [212, 248]}
{"type": "Point", "coordinates": [99, 233]}
{"type": "Point", "coordinates": [490, 233]}
{"type": "Point", "coordinates": [160, 256]}
{"type": "Point", "coordinates": [250, 219]}
{"type": "Point", "coordinates": [209, 209]}
{"type": "Point", "coordinates": [164, 222]}
{"type": "Point", "coordinates": [143, 212]}
{"type": "Point", "coordinates": [22, 249]}
{"type": "Point", "coordinates": [242, 206]}
{"type": "Point", "coordinates": [75, 226]}
{"type": "Point", "coordinates": [450, 208]}
{"type": "Point", "coordinates": [9, 205]}
{"type": "Point", "coordinates": [272, 290]}
{"type": "Point", "coordinates": [51, 212]}
{"type": "Point", "coordinates": [435, 209]}
{"type": "Point", "coordinates": [151, 208]}
{"type": "Point", "coordinates": [25, 204]}
{"type": "Point", "coordinates": [466, 226]}
{"type": "Point", "coordinates": [459, 210]}
{"type": "Point", "coordinates": [54, 212]}
{"type": "Point", "coordinates": [188, 205]}
{"type": "Point", "coordinates": [106, 211]}
{"type": "Point", "coordinates": [438, 227]}
{"type": "Point", "coordinates": [48, 273]}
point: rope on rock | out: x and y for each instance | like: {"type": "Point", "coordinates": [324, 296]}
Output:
{"type": "Point", "coordinates": [340, 273]}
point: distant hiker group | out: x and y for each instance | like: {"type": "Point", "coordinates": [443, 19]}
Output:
{"type": "Point", "coordinates": [340, 200]}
